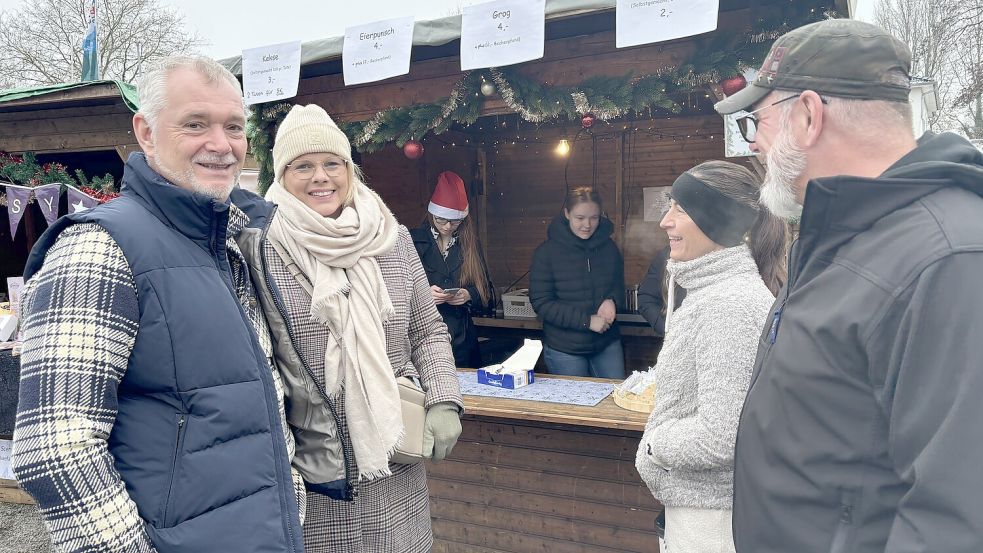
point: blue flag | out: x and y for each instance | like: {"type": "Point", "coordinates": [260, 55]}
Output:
{"type": "Point", "coordinates": [90, 55]}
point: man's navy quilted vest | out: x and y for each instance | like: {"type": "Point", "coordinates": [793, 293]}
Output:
{"type": "Point", "coordinates": [198, 439]}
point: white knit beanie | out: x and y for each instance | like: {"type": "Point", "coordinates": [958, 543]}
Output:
{"type": "Point", "coordinates": [307, 130]}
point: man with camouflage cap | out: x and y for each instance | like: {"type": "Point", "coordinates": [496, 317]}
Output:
{"type": "Point", "coordinates": [860, 432]}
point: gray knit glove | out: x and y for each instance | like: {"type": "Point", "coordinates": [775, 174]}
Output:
{"type": "Point", "coordinates": [442, 428]}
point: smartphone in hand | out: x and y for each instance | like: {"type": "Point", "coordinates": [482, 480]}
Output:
{"type": "Point", "coordinates": [451, 290]}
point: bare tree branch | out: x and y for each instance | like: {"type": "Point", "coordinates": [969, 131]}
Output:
{"type": "Point", "coordinates": [41, 42]}
{"type": "Point", "coordinates": [946, 41]}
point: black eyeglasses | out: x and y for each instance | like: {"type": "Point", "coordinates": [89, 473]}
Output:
{"type": "Point", "coordinates": [748, 124]}
{"type": "Point", "coordinates": [440, 221]}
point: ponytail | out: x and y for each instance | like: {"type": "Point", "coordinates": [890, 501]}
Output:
{"type": "Point", "coordinates": [768, 237]}
{"type": "Point", "coordinates": [768, 240]}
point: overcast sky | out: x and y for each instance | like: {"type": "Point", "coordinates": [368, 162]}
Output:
{"type": "Point", "coordinates": [233, 25]}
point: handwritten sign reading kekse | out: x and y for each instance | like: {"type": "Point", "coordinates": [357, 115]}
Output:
{"type": "Point", "coordinates": [646, 21]}
{"type": "Point", "coordinates": [377, 51]}
{"type": "Point", "coordinates": [503, 32]}
{"type": "Point", "coordinates": [270, 72]}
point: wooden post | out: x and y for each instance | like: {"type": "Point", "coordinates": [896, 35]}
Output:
{"type": "Point", "coordinates": [619, 192]}
{"type": "Point", "coordinates": [483, 201]}
{"type": "Point", "coordinates": [29, 232]}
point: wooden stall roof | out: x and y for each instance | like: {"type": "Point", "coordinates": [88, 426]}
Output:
{"type": "Point", "coordinates": [71, 117]}
{"type": "Point", "coordinates": [69, 94]}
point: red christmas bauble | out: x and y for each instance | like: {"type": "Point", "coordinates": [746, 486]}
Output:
{"type": "Point", "coordinates": [412, 149]}
{"type": "Point", "coordinates": [587, 121]}
{"type": "Point", "coordinates": [733, 85]}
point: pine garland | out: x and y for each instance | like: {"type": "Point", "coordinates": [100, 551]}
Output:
{"type": "Point", "coordinates": [26, 171]}
{"type": "Point", "coordinates": [718, 56]}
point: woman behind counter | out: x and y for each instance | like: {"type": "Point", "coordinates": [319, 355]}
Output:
{"type": "Point", "coordinates": [686, 456]}
{"type": "Point", "coordinates": [451, 255]}
{"type": "Point", "coordinates": [576, 280]}
{"type": "Point", "coordinates": [349, 309]}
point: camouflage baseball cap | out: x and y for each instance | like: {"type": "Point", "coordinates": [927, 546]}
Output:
{"type": "Point", "coordinates": [838, 57]}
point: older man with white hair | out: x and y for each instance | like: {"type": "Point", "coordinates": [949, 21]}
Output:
{"type": "Point", "coordinates": [150, 418]}
{"type": "Point", "coordinates": [860, 432]}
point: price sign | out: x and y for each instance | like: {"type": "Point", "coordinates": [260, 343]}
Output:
{"type": "Point", "coordinates": [503, 32]}
{"type": "Point", "coordinates": [5, 449]}
{"type": "Point", "coordinates": [377, 51]}
{"type": "Point", "coordinates": [270, 72]}
{"type": "Point", "coordinates": [646, 21]}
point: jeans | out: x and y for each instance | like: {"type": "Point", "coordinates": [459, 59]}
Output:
{"type": "Point", "coordinates": [607, 363]}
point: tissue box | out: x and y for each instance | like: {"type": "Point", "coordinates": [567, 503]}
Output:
{"type": "Point", "coordinates": [516, 371]}
{"type": "Point", "coordinates": [510, 380]}
{"type": "Point", "coordinates": [8, 327]}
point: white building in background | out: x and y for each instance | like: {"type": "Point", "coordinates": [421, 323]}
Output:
{"type": "Point", "coordinates": [922, 97]}
{"type": "Point", "coordinates": [923, 102]}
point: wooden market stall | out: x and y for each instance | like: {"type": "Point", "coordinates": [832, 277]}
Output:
{"type": "Point", "coordinates": [506, 156]}
{"type": "Point", "coordinates": [84, 126]}
{"type": "Point", "coordinates": [526, 476]}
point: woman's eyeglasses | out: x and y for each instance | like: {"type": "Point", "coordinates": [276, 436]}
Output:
{"type": "Point", "coordinates": [306, 169]}
{"type": "Point", "coordinates": [440, 221]}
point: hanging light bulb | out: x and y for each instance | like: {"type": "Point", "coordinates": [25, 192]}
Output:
{"type": "Point", "coordinates": [563, 148]}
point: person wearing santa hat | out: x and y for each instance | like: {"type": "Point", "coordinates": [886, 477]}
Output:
{"type": "Point", "coordinates": [451, 255]}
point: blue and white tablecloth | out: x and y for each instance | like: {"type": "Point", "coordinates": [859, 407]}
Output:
{"type": "Point", "coordinates": [552, 390]}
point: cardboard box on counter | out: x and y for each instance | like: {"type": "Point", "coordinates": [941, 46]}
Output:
{"type": "Point", "coordinates": [516, 371]}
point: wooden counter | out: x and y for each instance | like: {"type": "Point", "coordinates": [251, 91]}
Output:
{"type": "Point", "coordinates": [530, 476]}
{"type": "Point", "coordinates": [534, 477]}
{"type": "Point", "coordinates": [606, 414]}
{"type": "Point", "coordinates": [627, 329]}
{"type": "Point", "coordinates": [500, 337]}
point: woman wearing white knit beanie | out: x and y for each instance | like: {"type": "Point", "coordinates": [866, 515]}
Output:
{"type": "Point", "coordinates": [349, 308]}
{"type": "Point", "coordinates": [728, 254]}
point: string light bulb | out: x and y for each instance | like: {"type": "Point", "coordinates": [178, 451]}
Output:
{"type": "Point", "coordinates": [563, 148]}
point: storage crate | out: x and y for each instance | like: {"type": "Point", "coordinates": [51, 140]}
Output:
{"type": "Point", "coordinates": [516, 305]}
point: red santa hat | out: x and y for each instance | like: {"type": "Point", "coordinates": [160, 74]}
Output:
{"type": "Point", "coordinates": [449, 200]}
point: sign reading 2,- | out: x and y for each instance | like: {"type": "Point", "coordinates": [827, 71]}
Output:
{"type": "Point", "coordinates": [647, 21]}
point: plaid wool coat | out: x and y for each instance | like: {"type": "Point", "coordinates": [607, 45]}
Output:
{"type": "Point", "coordinates": [81, 319]}
{"type": "Point", "coordinates": [391, 514]}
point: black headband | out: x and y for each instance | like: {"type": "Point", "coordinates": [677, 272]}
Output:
{"type": "Point", "coordinates": [720, 217]}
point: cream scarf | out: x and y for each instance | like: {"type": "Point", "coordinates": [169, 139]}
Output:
{"type": "Point", "coordinates": [350, 297]}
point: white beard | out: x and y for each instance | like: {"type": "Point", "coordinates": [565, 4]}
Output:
{"type": "Point", "coordinates": [785, 163]}
{"type": "Point", "coordinates": [188, 176]}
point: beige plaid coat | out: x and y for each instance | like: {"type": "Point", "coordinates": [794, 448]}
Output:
{"type": "Point", "coordinates": [392, 514]}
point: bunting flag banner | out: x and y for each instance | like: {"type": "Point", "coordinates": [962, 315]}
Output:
{"type": "Point", "coordinates": [90, 54]}
{"type": "Point", "coordinates": [17, 197]}
{"type": "Point", "coordinates": [47, 197]}
{"type": "Point", "coordinates": [79, 201]}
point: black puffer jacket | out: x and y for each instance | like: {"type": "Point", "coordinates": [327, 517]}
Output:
{"type": "Point", "coordinates": [569, 279]}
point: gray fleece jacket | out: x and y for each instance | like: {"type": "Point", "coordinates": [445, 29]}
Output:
{"type": "Point", "coordinates": [686, 456]}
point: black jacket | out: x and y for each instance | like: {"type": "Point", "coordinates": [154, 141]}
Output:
{"type": "Point", "coordinates": [569, 279]}
{"type": "Point", "coordinates": [861, 429]}
{"type": "Point", "coordinates": [446, 274]}
{"type": "Point", "coordinates": [651, 303]}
